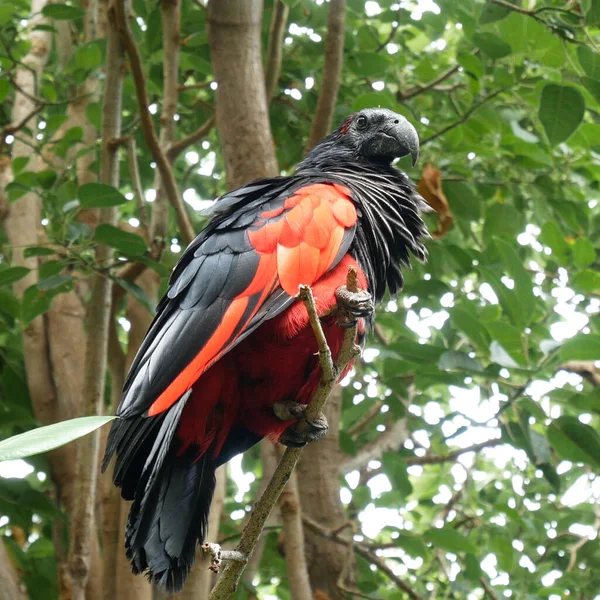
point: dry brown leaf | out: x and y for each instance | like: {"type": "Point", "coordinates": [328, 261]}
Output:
{"type": "Point", "coordinates": [430, 187]}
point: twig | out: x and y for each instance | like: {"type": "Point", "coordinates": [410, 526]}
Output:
{"type": "Point", "coordinates": [177, 148]}
{"type": "Point", "coordinates": [436, 460]}
{"type": "Point", "coordinates": [487, 588]}
{"type": "Point", "coordinates": [11, 129]}
{"type": "Point", "coordinates": [186, 230]}
{"type": "Point", "coordinates": [364, 552]}
{"type": "Point", "coordinates": [274, 48]}
{"type": "Point", "coordinates": [474, 108]}
{"type": "Point", "coordinates": [228, 581]}
{"type": "Point", "coordinates": [585, 368]}
{"type": "Point", "coordinates": [136, 184]}
{"type": "Point", "coordinates": [360, 423]}
{"type": "Point", "coordinates": [332, 70]}
{"type": "Point", "coordinates": [194, 86]}
{"type": "Point", "coordinates": [218, 555]}
{"type": "Point", "coordinates": [421, 89]}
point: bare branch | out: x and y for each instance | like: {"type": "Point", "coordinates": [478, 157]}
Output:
{"type": "Point", "coordinates": [99, 311]}
{"type": "Point", "coordinates": [295, 555]}
{"type": "Point", "coordinates": [177, 148]}
{"type": "Point", "coordinates": [274, 49]}
{"type": "Point", "coordinates": [422, 88]}
{"type": "Point", "coordinates": [474, 108]}
{"type": "Point", "coordinates": [136, 184]}
{"type": "Point", "coordinates": [194, 86]}
{"type": "Point", "coordinates": [586, 368]}
{"type": "Point", "coordinates": [391, 439]}
{"type": "Point", "coordinates": [332, 70]}
{"type": "Point", "coordinates": [186, 230]}
{"type": "Point", "coordinates": [365, 553]}
{"type": "Point", "coordinates": [429, 459]}
{"type": "Point", "coordinates": [228, 581]}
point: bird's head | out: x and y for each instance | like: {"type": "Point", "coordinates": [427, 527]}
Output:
{"type": "Point", "coordinates": [377, 135]}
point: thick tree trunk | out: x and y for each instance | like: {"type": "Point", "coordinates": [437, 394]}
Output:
{"type": "Point", "coordinates": [318, 470]}
{"type": "Point", "coordinates": [242, 115]}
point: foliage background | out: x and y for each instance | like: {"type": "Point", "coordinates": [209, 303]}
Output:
{"type": "Point", "coordinates": [468, 455]}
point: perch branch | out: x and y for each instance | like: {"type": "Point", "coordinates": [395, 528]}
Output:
{"type": "Point", "coordinates": [228, 581]}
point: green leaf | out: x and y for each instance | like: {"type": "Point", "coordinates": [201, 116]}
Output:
{"type": "Point", "coordinates": [50, 437]}
{"type": "Point", "coordinates": [586, 281]}
{"type": "Point", "coordinates": [592, 86]}
{"type": "Point", "coordinates": [38, 251]}
{"type": "Point", "coordinates": [12, 274]}
{"type": "Point", "coordinates": [523, 288]}
{"type": "Point", "coordinates": [383, 99]}
{"type": "Point", "coordinates": [88, 56]}
{"type": "Point", "coordinates": [492, 13]}
{"type": "Point", "coordinates": [137, 292]}
{"type": "Point", "coordinates": [458, 361]}
{"type": "Point", "coordinates": [127, 243]}
{"type": "Point", "coordinates": [554, 238]}
{"type": "Point", "coordinates": [472, 568]}
{"type": "Point", "coordinates": [500, 356]}
{"type": "Point", "coordinates": [469, 324]}
{"type": "Point", "coordinates": [589, 61]}
{"type": "Point", "coordinates": [584, 253]}
{"type": "Point", "coordinates": [100, 195]}
{"type": "Point", "coordinates": [395, 467]}
{"type": "Point", "coordinates": [450, 540]}
{"type": "Point", "coordinates": [412, 544]}
{"type": "Point", "coordinates": [561, 111]}
{"type": "Point", "coordinates": [592, 16]}
{"type": "Point", "coordinates": [492, 45]}
{"type": "Point", "coordinates": [368, 64]}
{"type": "Point", "coordinates": [415, 352]}
{"type": "Point", "coordinates": [581, 347]}
{"type": "Point", "coordinates": [62, 12]}
{"type": "Point", "coordinates": [4, 85]}
{"type": "Point", "coordinates": [575, 441]}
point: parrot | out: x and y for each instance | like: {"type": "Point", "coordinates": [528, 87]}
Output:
{"type": "Point", "coordinates": [230, 357]}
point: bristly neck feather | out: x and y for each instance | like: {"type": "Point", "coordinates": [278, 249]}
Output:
{"type": "Point", "coordinates": [390, 227]}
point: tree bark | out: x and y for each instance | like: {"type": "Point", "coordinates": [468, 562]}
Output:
{"type": "Point", "coordinates": [234, 35]}
{"type": "Point", "coordinates": [318, 470]}
{"type": "Point", "coordinates": [332, 72]}
{"type": "Point", "coordinates": [10, 586]}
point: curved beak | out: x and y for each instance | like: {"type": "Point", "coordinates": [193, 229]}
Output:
{"type": "Point", "coordinates": [408, 140]}
{"type": "Point", "coordinates": [395, 138]}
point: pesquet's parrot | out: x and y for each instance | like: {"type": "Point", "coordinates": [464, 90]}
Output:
{"type": "Point", "coordinates": [230, 357]}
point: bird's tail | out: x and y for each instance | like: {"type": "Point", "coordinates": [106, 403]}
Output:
{"type": "Point", "coordinates": [171, 496]}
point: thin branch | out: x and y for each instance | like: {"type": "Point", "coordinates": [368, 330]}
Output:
{"type": "Point", "coordinates": [274, 49]}
{"type": "Point", "coordinates": [364, 552]}
{"type": "Point", "coordinates": [228, 581]}
{"type": "Point", "coordinates": [186, 230]}
{"type": "Point", "coordinates": [11, 129]}
{"type": "Point", "coordinates": [359, 425]}
{"type": "Point", "coordinates": [391, 439]}
{"type": "Point", "coordinates": [430, 459]}
{"type": "Point", "coordinates": [177, 148]}
{"type": "Point", "coordinates": [487, 589]}
{"type": "Point", "coordinates": [421, 89]}
{"type": "Point", "coordinates": [474, 108]}
{"type": "Point", "coordinates": [98, 318]}
{"type": "Point", "coordinates": [586, 368]}
{"type": "Point", "coordinates": [194, 86]}
{"type": "Point", "coordinates": [136, 184]}
{"type": "Point", "coordinates": [332, 70]}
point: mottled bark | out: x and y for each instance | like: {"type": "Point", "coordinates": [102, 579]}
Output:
{"type": "Point", "coordinates": [318, 470]}
{"type": "Point", "coordinates": [242, 115]}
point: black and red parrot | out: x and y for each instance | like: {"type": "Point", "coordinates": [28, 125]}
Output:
{"type": "Point", "coordinates": [230, 357]}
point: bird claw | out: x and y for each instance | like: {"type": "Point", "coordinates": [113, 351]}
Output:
{"type": "Point", "coordinates": [353, 306]}
{"type": "Point", "coordinates": [289, 410]}
{"type": "Point", "coordinates": [301, 433]}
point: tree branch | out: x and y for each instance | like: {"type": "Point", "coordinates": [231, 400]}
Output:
{"type": "Point", "coordinates": [275, 46]}
{"type": "Point", "coordinates": [228, 581]}
{"type": "Point", "coordinates": [474, 108]}
{"type": "Point", "coordinates": [586, 368]}
{"type": "Point", "coordinates": [186, 230]}
{"type": "Point", "coordinates": [332, 70]}
{"type": "Point", "coordinates": [364, 552]}
{"type": "Point", "coordinates": [136, 185]}
{"type": "Point", "coordinates": [431, 459]}
{"type": "Point", "coordinates": [99, 311]}
{"type": "Point", "coordinates": [391, 439]}
{"type": "Point", "coordinates": [176, 148]}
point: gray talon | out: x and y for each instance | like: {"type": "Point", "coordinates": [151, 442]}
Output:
{"type": "Point", "coordinates": [357, 304]}
{"type": "Point", "coordinates": [303, 432]}
{"type": "Point", "coordinates": [289, 410]}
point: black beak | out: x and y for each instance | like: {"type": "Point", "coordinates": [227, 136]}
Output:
{"type": "Point", "coordinates": [408, 139]}
{"type": "Point", "coordinates": [394, 139]}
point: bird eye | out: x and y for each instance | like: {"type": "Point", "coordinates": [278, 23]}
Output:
{"type": "Point", "coordinates": [361, 121]}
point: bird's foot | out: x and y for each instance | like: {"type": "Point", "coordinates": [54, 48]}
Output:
{"type": "Point", "coordinates": [304, 431]}
{"type": "Point", "coordinates": [352, 306]}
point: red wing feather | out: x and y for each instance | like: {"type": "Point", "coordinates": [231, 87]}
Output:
{"type": "Point", "coordinates": [231, 279]}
